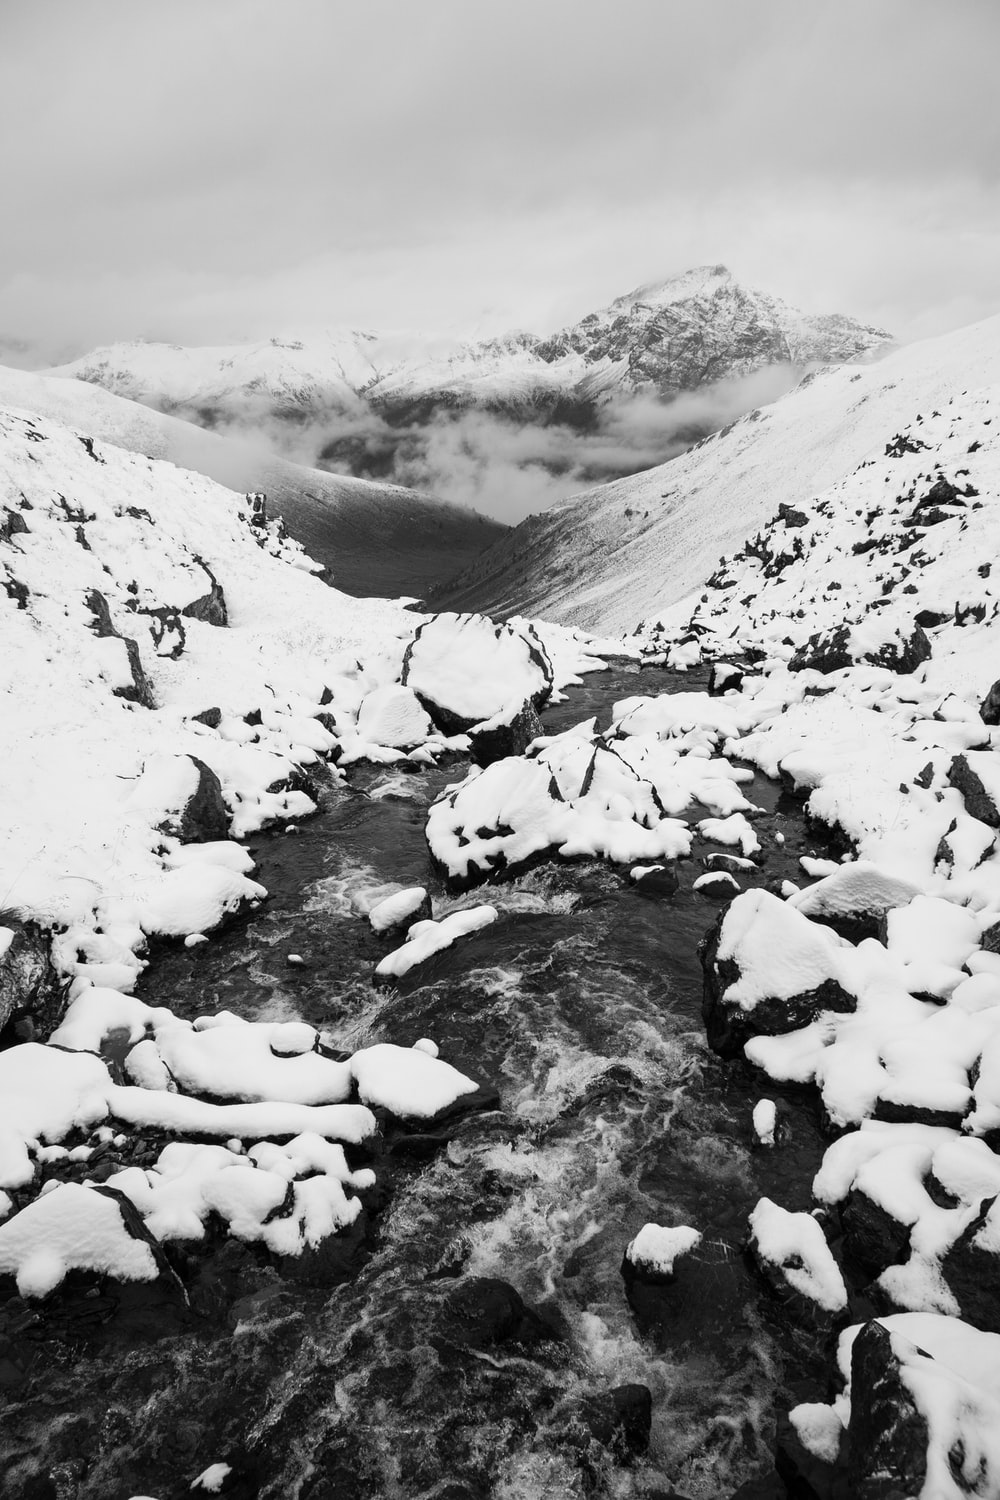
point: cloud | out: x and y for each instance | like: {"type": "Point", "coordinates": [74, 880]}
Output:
{"type": "Point", "coordinates": [509, 469]}
{"type": "Point", "coordinates": [319, 163]}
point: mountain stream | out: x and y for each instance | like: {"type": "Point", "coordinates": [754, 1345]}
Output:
{"type": "Point", "coordinates": [363, 1373]}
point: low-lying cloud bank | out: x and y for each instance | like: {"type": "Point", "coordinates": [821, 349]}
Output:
{"type": "Point", "coordinates": [502, 464]}
{"type": "Point", "coordinates": [508, 466]}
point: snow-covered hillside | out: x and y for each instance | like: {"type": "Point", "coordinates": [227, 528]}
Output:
{"type": "Point", "coordinates": [620, 553]}
{"type": "Point", "coordinates": [372, 538]}
{"type": "Point", "coordinates": [134, 598]}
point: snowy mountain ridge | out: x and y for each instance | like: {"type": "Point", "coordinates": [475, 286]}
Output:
{"type": "Point", "coordinates": [627, 550]}
{"type": "Point", "coordinates": [677, 335]}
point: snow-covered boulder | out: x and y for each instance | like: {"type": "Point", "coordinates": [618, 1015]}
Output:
{"type": "Point", "coordinates": [718, 884]}
{"type": "Point", "coordinates": [791, 1251]}
{"type": "Point", "coordinates": [921, 1411]}
{"type": "Point", "coordinates": [854, 899]}
{"type": "Point", "coordinates": [918, 1209]}
{"type": "Point", "coordinates": [195, 898]}
{"type": "Point", "coordinates": [408, 1081]}
{"type": "Point", "coordinates": [468, 671]}
{"type": "Point", "coordinates": [768, 970]}
{"type": "Point", "coordinates": [653, 1254]}
{"type": "Point", "coordinates": [574, 798]}
{"type": "Point", "coordinates": [401, 909]}
{"type": "Point", "coordinates": [724, 677]}
{"type": "Point", "coordinates": [76, 1228]}
{"type": "Point", "coordinates": [424, 939]}
{"type": "Point", "coordinates": [183, 796]}
{"type": "Point", "coordinates": [392, 715]}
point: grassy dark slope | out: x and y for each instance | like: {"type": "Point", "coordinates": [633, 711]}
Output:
{"type": "Point", "coordinates": [377, 539]}
{"type": "Point", "coordinates": [515, 575]}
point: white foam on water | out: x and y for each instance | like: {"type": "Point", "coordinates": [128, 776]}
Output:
{"type": "Point", "coordinates": [400, 788]}
{"type": "Point", "coordinates": [351, 892]}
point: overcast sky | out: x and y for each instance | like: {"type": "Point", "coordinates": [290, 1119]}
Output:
{"type": "Point", "coordinates": [202, 170]}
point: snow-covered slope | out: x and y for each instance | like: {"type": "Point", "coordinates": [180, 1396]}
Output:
{"type": "Point", "coordinates": [372, 538]}
{"type": "Point", "coordinates": [620, 553]}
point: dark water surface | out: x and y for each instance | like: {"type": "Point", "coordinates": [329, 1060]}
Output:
{"type": "Point", "coordinates": [581, 1005]}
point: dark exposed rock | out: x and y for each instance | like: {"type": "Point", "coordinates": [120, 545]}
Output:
{"type": "Point", "coordinates": [618, 1420]}
{"type": "Point", "coordinates": [12, 524]}
{"type": "Point", "coordinates": [791, 516]}
{"type": "Point", "coordinates": [656, 884]}
{"type": "Point", "coordinates": [990, 709]}
{"type": "Point", "coordinates": [210, 608]}
{"type": "Point", "coordinates": [734, 863]}
{"type": "Point", "coordinates": [979, 802]}
{"type": "Point", "coordinates": [990, 939]}
{"type": "Point", "coordinates": [941, 492]}
{"type": "Point", "coordinates": [512, 738]}
{"type": "Point", "coordinates": [903, 443]}
{"type": "Point", "coordinates": [823, 652]}
{"type": "Point", "coordinates": [805, 1476]}
{"type": "Point", "coordinates": [205, 816]}
{"type": "Point", "coordinates": [830, 652]}
{"type": "Point", "coordinates": [18, 591]}
{"type": "Point", "coordinates": [139, 691]}
{"type": "Point", "coordinates": [88, 443]}
{"type": "Point", "coordinates": [167, 630]}
{"type": "Point", "coordinates": [971, 1273]}
{"type": "Point", "coordinates": [903, 655]}
{"type": "Point", "coordinates": [719, 885]}
{"type": "Point", "coordinates": [724, 678]}
{"type": "Point", "coordinates": [337, 1258]}
{"type": "Point", "coordinates": [485, 1311]}
{"type": "Point", "coordinates": [298, 780]}
{"type": "Point", "coordinates": [767, 1487]}
{"type": "Point", "coordinates": [211, 717]}
{"type": "Point", "coordinates": [887, 1435]}
{"type": "Point", "coordinates": [928, 619]}
{"type": "Point", "coordinates": [872, 1237]}
{"type": "Point", "coordinates": [28, 982]}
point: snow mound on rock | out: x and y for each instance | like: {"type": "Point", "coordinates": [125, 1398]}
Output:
{"type": "Point", "coordinates": [466, 670]}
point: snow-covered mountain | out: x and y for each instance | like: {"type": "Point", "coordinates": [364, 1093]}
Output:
{"type": "Point", "coordinates": [351, 393]}
{"type": "Point", "coordinates": [372, 538]}
{"type": "Point", "coordinates": [623, 551]}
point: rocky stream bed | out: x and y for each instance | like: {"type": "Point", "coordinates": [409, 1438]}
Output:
{"type": "Point", "coordinates": [472, 1333]}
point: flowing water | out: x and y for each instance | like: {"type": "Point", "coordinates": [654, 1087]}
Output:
{"type": "Point", "coordinates": [358, 1374]}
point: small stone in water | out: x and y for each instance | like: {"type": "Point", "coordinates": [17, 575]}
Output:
{"type": "Point", "coordinates": [291, 828]}
{"type": "Point", "coordinates": [426, 1045]}
{"type": "Point", "coordinates": [296, 960]}
{"type": "Point", "coordinates": [194, 938]}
